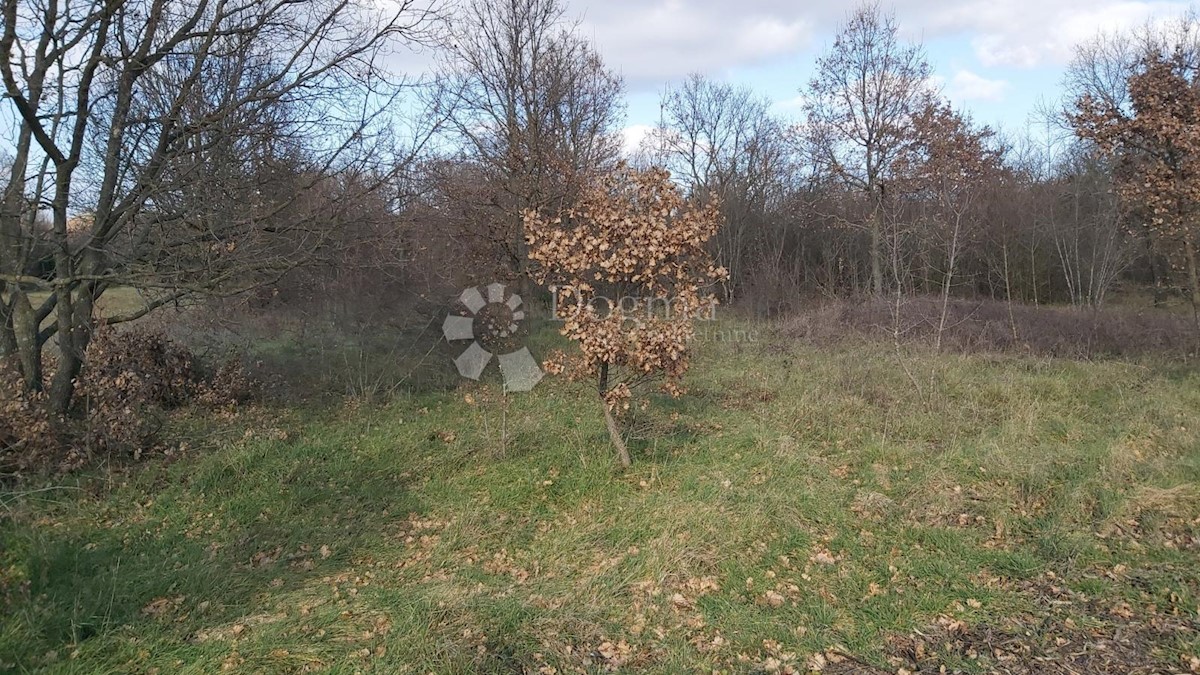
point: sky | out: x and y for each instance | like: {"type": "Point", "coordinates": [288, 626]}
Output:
{"type": "Point", "coordinates": [995, 59]}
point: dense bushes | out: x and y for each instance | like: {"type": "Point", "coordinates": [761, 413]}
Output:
{"type": "Point", "coordinates": [132, 380]}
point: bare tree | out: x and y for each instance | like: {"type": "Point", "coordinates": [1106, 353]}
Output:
{"type": "Point", "coordinates": [948, 167]}
{"type": "Point", "coordinates": [859, 105]}
{"type": "Point", "coordinates": [532, 103]}
{"type": "Point", "coordinates": [724, 142]}
{"type": "Point", "coordinates": [1102, 67]}
{"type": "Point", "coordinates": [187, 147]}
{"type": "Point", "coordinates": [1089, 233]}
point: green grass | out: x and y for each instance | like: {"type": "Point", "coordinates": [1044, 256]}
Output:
{"type": "Point", "coordinates": [797, 504]}
{"type": "Point", "coordinates": [116, 301]}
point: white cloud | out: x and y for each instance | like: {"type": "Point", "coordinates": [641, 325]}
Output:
{"type": "Point", "coordinates": [632, 136]}
{"type": "Point", "coordinates": [788, 106]}
{"type": "Point", "coordinates": [1030, 33]}
{"type": "Point", "coordinates": [967, 86]}
{"type": "Point", "coordinates": [650, 43]}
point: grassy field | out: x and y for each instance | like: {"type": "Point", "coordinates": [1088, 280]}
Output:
{"type": "Point", "coordinates": [115, 302]}
{"type": "Point", "coordinates": [802, 509]}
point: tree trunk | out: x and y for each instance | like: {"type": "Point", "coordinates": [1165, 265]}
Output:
{"type": "Point", "coordinates": [25, 334]}
{"type": "Point", "coordinates": [8, 339]}
{"type": "Point", "coordinates": [1158, 276]}
{"type": "Point", "coordinates": [74, 333]}
{"type": "Point", "coordinates": [1193, 281]}
{"type": "Point", "coordinates": [614, 430]}
{"type": "Point", "coordinates": [1033, 283]}
{"type": "Point", "coordinates": [524, 283]}
{"type": "Point", "coordinates": [876, 264]}
{"type": "Point", "coordinates": [1012, 320]}
{"type": "Point", "coordinates": [947, 283]}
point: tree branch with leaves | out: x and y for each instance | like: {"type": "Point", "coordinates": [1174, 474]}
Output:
{"type": "Point", "coordinates": [631, 273]}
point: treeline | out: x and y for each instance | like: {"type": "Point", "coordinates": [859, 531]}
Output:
{"type": "Point", "coordinates": [883, 186]}
{"type": "Point", "coordinates": [265, 149]}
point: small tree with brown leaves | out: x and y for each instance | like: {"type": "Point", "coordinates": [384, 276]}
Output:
{"type": "Point", "coordinates": [1157, 153]}
{"type": "Point", "coordinates": [630, 274]}
{"type": "Point", "coordinates": [947, 167]}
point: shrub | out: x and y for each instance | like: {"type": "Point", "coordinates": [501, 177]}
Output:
{"type": "Point", "coordinates": [132, 380]}
{"type": "Point", "coordinates": [992, 326]}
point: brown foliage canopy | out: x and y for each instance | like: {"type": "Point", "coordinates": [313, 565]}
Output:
{"type": "Point", "coordinates": [947, 155]}
{"type": "Point", "coordinates": [1157, 151]}
{"type": "Point", "coordinates": [630, 271]}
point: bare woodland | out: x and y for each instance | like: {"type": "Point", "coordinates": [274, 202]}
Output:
{"type": "Point", "coordinates": [270, 149]}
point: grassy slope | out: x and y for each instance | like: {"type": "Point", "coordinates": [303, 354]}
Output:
{"type": "Point", "coordinates": [798, 501]}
